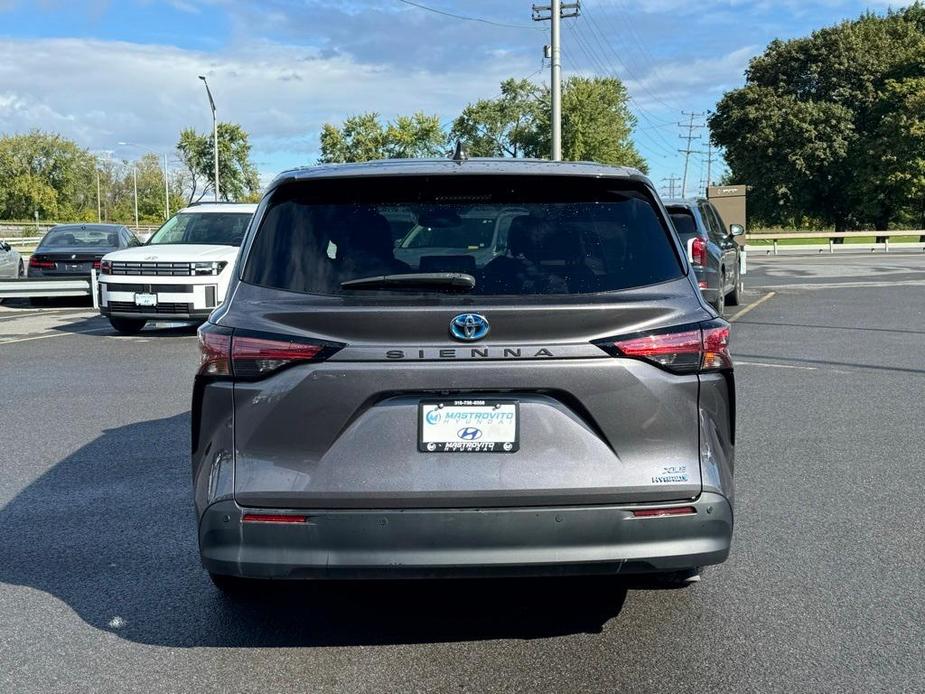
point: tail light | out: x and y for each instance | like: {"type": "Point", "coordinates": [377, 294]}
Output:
{"type": "Point", "coordinates": [96, 264]}
{"type": "Point", "coordinates": [700, 347]}
{"type": "Point", "coordinates": [249, 355]}
{"type": "Point", "coordinates": [41, 263]}
{"type": "Point", "coordinates": [699, 251]}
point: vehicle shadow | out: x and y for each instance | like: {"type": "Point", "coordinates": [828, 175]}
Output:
{"type": "Point", "coordinates": [99, 325]}
{"type": "Point", "coordinates": [110, 530]}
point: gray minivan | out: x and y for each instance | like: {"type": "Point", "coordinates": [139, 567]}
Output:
{"type": "Point", "coordinates": [564, 407]}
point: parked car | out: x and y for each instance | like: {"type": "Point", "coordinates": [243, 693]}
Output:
{"type": "Point", "coordinates": [72, 250]}
{"type": "Point", "coordinates": [711, 249]}
{"type": "Point", "coordinates": [180, 274]}
{"type": "Point", "coordinates": [11, 264]}
{"type": "Point", "coordinates": [566, 408]}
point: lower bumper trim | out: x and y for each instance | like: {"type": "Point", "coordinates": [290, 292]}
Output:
{"type": "Point", "coordinates": [465, 542]}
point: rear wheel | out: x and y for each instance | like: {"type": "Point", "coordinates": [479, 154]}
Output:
{"type": "Point", "coordinates": [720, 304]}
{"type": "Point", "coordinates": [735, 296]}
{"type": "Point", "coordinates": [21, 270]}
{"type": "Point", "coordinates": [127, 326]}
{"type": "Point", "coordinates": [231, 585]}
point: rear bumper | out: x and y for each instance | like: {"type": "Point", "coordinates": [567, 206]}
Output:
{"type": "Point", "coordinates": [465, 542]}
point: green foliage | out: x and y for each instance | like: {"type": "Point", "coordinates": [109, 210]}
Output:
{"type": "Point", "coordinates": [596, 123]}
{"type": "Point", "coordinates": [44, 172]}
{"type": "Point", "coordinates": [826, 127]}
{"type": "Point", "coordinates": [505, 126]}
{"type": "Point", "coordinates": [364, 138]}
{"type": "Point", "coordinates": [237, 176]}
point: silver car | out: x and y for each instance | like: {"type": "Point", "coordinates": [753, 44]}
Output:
{"type": "Point", "coordinates": [565, 407]}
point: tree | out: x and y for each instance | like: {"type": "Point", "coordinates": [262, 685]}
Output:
{"type": "Point", "coordinates": [812, 129]}
{"type": "Point", "coordinates": [506, 126]}
{"type": "Point", "coordinates": [596, 122]}
{"type": "Point", "coordinates": [237, 176]}
{"type": "Point", "coordinates": [364, 138]}
{"type": "Point", "coordinates": [47, 173]}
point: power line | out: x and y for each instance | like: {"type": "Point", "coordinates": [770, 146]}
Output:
{"type": "Point", "coordinates": [672, 180]}
{"type": "Point", "coordinates": [467, 19]}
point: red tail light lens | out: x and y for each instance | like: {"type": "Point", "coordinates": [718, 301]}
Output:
{"type": "Point", "coordinates": [685, 349]}
{"type": "Point", "coordinates": [699, 251]}
{"type": "Point", "coordinates": [245, 355]}
{"type": "Point", "coordinates": [258, 356]}
{"type": "Point", "coordinates": [40, 263]}
{"type": "Point", "coordinates": [214, 350]}
{"type": "Point", "coordinates": [96, 264]}
{"type": "Point", "coordinates": [272, 518]}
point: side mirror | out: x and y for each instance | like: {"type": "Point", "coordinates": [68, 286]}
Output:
{"type": "Point", "coordinates": [736, 229]}
{"type": "Point", "coordinates": [4, 246]}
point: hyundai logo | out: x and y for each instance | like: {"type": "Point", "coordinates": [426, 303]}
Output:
{"type": "Point", "coordinates": [469, 327]}
{"type": "Point", "coordinates": [469, 434]}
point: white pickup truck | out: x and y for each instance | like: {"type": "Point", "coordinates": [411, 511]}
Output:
{"type": "Point", "coordinates": [180, 274]}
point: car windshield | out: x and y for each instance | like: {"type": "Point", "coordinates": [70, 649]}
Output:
{"type": "Point", "coordinates": [81, 237]}
{"type": "Point", "coordinates": [214, 228]}
{"type": "Point", "coordinates": [513, 235]}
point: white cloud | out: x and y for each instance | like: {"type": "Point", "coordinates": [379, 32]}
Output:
{"type": "Point", "coordinates": [104, 92]}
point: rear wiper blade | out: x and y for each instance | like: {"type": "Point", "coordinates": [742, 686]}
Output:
{"type": "Point", "coordinates": [437, 280]}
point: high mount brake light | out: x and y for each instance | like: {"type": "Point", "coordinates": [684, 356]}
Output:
{"type": "Point", "coordinates": [248, 356]}
{"type": "Point", "coordinates": [685, 349]}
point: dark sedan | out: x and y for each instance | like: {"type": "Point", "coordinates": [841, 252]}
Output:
{"type": "Point", "coordinates": [69, 250]}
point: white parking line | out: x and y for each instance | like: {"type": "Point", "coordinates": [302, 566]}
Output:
{"type": "Point", "coordinates": [57, 334]}
{"type": "Point", "coordinates": [749, 308]}
{"type": "Point", "coordinates": [775, 366]}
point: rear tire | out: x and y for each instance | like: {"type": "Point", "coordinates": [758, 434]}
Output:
{"type": "Point", "coordinates": [127, 326]}
{"type": "Point", "coordinates": [231, 586]}
{"type": "Point", "coordinates": [735, 296]}
{"type": "Point", "coordinates": [21, 271]}
{"type": "Point", "coordinates": [720, 304]}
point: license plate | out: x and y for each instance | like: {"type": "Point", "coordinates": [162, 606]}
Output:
{"type": "Point", "coordinates": [146, 299]}
{"type": "Point", "coordinates": [468, 426]}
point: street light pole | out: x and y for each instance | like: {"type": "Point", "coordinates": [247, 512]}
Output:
{"type": "Point", "coordinates": [135, 185]}
{"type": "Point", "coordinates": [99, 203]}
{"type": "Point", "coordinates": [214, 132]}
{"type": "Point", "coordinates": [166, 191]}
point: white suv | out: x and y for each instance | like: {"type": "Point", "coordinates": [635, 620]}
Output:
{"type": "Point", "coordinates": [181, 273]}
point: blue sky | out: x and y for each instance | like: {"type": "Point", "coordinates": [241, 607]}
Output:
{"type": "Point", "coordinates": [104, 72]}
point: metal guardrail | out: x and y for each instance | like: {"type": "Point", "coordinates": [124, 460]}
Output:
{"type": "Point", "coordinates": [31, 288]}
{"type": "Point", "coordinates": [884, 245]}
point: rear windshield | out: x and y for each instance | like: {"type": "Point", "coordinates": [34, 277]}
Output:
{"type": "Point", "coordinates": [81, 237]}
{"type": "Point", "coordinates": [684, 222]}
{"type": "Point", "coordinates": [216, 228]}
{"type": "Point", "coordinates": [511, 235]}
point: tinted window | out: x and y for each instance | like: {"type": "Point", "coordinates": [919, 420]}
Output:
{"type": "Point", "coordinates": [684, 222]}
{"type": "Point", "coordinates": [515, 236]}
{"type": "Point", "coordinates": [217, 228]}
{"type": "Point", "coordinates": [81, 237]}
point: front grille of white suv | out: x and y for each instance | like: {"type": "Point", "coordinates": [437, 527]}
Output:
{"type": "Point", "coordinates": [151, 268]}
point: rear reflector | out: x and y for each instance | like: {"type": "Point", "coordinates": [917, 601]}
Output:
{"type": "Point", "coordinates": [272, 518]}
{"type": "Point", "coordinates": [658, 512]}
{"type": "Point", "coordinates": [684, 349]}
{"type": "Point", "coordinates": [702, 284]}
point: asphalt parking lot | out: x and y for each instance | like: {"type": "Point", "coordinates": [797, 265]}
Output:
{"type": "Point", "coordinates": [101, 590]}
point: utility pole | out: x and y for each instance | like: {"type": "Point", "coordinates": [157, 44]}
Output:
{"type": "Point", "coordinates": [710, 159]}
{"type": "Point", "coordinates": [671, 180]}
{"type": "Point", "coordinates": [214, 132]}
{"type": "Point", "coordinates": [690, 137]}
{"type": "Point", "coordinates": [557, 11]}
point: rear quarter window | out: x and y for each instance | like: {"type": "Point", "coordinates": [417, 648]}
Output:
{"type": "Point", "coordinates": [515, 236]}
